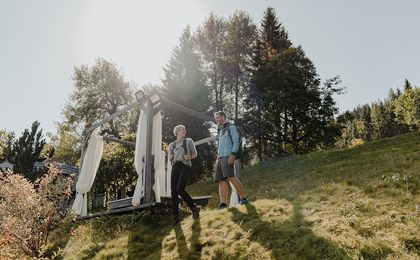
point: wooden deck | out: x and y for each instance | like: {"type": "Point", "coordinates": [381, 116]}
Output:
{"type": "Point", "coordinates": [123, 206]}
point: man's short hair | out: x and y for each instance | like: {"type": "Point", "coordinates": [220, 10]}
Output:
{"type": "Point", "coordinates": [220, 113]}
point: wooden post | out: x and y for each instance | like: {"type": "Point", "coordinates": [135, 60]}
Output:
{"type": "Point", "coordinates": [148, 198]}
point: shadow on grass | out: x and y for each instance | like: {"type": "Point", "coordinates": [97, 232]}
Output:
{"type": "Point", "coordinates": [291, 239]}
{"type": "Point", "coordinates": [146, 237]}
{"type": "Point", "coordinates": [194, 251]}
{"type": "Point", "coordinates": [59, 238]}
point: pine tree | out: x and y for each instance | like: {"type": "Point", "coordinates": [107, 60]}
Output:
{"type": "Point", "coordinates": [407, 85]}
{"type": "Point", "coordinates": [26, 150]}
{"type": "Point", "coordinates": [184, 84]}
{"type": "Point", "coordinates": [273, 36]}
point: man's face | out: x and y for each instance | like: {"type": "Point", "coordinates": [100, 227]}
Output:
{"type": "Point", "coordinates": [220, 120]}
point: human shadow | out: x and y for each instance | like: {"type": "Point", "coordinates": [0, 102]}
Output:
{"type": "Point", "coordinates": [143, 245]}
{"type": "Point", "coordinates": [194, 251]}
{"type": "Point", "coordinates": [290, 239]}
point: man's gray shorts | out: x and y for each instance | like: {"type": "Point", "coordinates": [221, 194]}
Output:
{"type": "Point", "coordinates": [223, 170]}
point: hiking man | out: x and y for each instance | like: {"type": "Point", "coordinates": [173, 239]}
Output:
{"type": "Point", "coordinates": [228, 146]}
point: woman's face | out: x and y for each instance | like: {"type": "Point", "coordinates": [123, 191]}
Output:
{"type": "Point", "coordinates": [182, 132]}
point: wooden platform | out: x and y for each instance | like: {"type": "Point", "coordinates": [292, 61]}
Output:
{"type": "Point", "coordinates": [119, 211]}
{"type": "Point", "coordinates": [124, 206]}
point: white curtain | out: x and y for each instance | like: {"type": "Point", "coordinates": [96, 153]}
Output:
{"type": "Point", "coordinates": [140, 154]}
{"type": "Point", "coordinates": [139, 157]}
{"type": "Point", "coordinates": [88, 171]}
{"type": "Point", "coordinates": [159, 162]}
{"type": "Point", "coordinates": [234, 196]}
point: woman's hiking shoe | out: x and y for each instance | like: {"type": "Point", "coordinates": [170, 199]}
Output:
{"type": "Point", "coordinates": [244, 201]}
{"type": "Point", "coordinates": [196, 212]}
{"type": "Point", "coordinates": [222, 206]}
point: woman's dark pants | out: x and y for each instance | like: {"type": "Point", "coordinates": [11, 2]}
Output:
{"type": "Point", "coordinates": [179, 177]}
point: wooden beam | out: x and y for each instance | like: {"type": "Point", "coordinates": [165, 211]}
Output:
{"type": "Point", "coordinates": [109, 118]}
{"type": "Point", "coordinates": [126, 143]}
{"type": "Point", "coordinates": [185, 109]}
{"type": "Point", "coordinates": [205, 140]}
{"type": "Point", "coordinates": [149, 160]}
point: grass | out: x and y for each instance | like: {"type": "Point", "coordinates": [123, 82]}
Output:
{"type": "Point", "coordinates": [356, 203]}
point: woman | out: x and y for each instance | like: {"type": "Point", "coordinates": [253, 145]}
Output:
{"type": "Point", "coordinates": [181, 152]}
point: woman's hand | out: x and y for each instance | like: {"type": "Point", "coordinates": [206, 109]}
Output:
{"type": "Point", "coordinates": [187, 157]}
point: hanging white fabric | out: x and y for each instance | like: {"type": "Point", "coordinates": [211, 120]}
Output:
{"type": "Point", "coordinates": [88, 171]}
{"type": "Point", "coordinates": [234, 196]}
{"type": "Point", "coordinates": [140, 154]}
{"type": "Point", "coordinates": [139, 157]}
{"type": "Point", "coordinates": [159, 161]}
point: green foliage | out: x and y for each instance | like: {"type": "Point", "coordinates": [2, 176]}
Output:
{"type": "Point", "coordinates": [26, 150]}
{"type": "Point", "coordinates": [6, 138]}
{"type": "Point", "coordinates": [407, 108]}
{"type": "Point", "coordinates": [100, 91]}
{"type": "Point", "coordinates": [116, 171]}
{"type": "Point", "coordinates": [184, 84]}
{"type": "Point", "coordinates": [397, 114]}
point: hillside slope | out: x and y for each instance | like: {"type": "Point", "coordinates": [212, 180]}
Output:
{"type": "Point", "coordinates": [360, 202]}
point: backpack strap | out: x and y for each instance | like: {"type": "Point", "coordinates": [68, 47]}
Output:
{"type": "Point", "coordinates": [184, 145]}
{"type": "Point", "coordinates": [228, 130]}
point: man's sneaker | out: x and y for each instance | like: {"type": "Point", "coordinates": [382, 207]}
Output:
{"type": "Point", "coordinates": [196, 212]}
{"type": "Point", "coordinates": [175, 221]}
{"type": "Point", "coordinates": [222, 206]}
{"type": "Point", "coordinates": [244, 201]}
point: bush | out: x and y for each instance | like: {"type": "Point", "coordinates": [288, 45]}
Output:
{"type": "Point", "coordinates": [30, 211]}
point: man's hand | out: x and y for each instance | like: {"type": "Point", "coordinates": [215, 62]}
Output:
{"type": "Point", "coordinates": [231, 160]}
{"type": "Point", "coordinates": [171, 157]}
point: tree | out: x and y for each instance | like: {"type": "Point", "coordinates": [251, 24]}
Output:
{"type": "Point", "coordinates": [273, 36]}
{"type": "Point", "coordinates": [296, 109]}
{"type": "Point", "coordinates": [211, 38]}
{"type": "Point", "coordinates": [6, 139]}
{"type": "Point", "coordinates": [99, 92]}
{"type": "Point", "coordinates": [240, 39]}
{"type": "Point", "coordinates": [26, 150]}
{"type": "Point", "coordinates": [184, 84]}
{"type": "Point", "coordinates": [272, 39]}
{"type": "Point", "coordinates": [407, 108]}
{"type": "Point", "coordinates": [407, 85]}
{"type": "Point", "coordinates": [378, 119]}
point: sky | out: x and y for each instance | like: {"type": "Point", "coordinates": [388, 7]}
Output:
{"type": "Point", "coordinates": [373, 45]}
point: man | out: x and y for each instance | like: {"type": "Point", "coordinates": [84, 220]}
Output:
{"type": "Point", "coordinates": [226, 155]}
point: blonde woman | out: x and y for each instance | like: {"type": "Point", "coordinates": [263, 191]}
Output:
{"type": "Point", "coordinates": [181, 152]}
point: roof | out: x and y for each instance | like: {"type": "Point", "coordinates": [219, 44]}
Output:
{"type": "Point", "coordinates": [6, 165]}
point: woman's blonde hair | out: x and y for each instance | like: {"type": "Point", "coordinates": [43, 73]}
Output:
{"type": "Point", "coordinates": [177, 128]}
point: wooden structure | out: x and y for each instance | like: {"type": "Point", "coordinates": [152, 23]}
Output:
{"type": "Point", "coordinates": [152, 103]}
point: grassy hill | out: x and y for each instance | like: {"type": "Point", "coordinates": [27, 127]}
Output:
{"type": "Point", "coordinates": [360, 202]}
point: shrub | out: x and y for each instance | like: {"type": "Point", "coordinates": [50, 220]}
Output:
{"type": "Point", "coordinates": [30, 211]}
